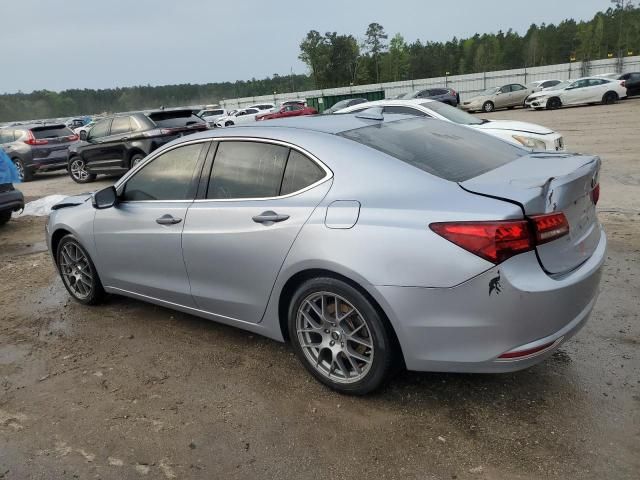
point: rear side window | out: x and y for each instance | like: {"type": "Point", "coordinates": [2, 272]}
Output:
{"type": "Point", "coordinates": [446, 150]}
{"type": "Point", "coordinates": [400, 110]}
{"type": "Point", "coordinates": [53, 131]}
{"type": "Point", "coordinates": [247, 170]}
{"type": "Point", "coordinates": [299, 173]}
{"type": "Point", "coordinates": [168, 177]}
{"type": "Point", "coordinates": [175, 119]}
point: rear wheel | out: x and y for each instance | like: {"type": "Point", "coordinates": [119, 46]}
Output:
{"type": "Point", "coordinates": [136, 159]}
{"type": "Point", "coordinates": [5, 216]}
{"type": "Point", "coordinates": [24, 173]}
{"type": "Point", "coordinates": [488, 107]}
{"type": "Point", "coordinates": [339, 336]}
{"type": "Point", "coordinates": [78, 272]}
{"type": "Point", "coordinates": [609, 98]}
{"type": "Point", "coordinates": [553, 103]}
{"type": "Point", "coordinates": [78, 171]}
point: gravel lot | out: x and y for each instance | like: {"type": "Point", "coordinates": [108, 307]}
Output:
{"type": "Point", "coordinates": [130, 390]}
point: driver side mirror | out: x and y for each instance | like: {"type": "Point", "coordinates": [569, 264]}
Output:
{"type": "Point", "coordinates": [83, 135]}
{"type": "Point", "coordinates": [105, 198]}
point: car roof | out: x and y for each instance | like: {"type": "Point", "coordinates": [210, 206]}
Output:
{"type": "Point", "coordinates": [29, 126]}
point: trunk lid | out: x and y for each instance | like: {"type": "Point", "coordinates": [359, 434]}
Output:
{"type": "Point", "coordinates": [51, 141]}
{"type": "Point", "coordinates": [546, 183]}
{"type": "Point", "coordinates": [515, 125]}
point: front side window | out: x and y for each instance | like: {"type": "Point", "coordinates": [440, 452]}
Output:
{"type": "Point", "coordinates": [100, 129]}
{"type": "Point", "coordinates": [247, 170]}
{"type": "Point", "coordinates": [120, 125]}
{"type": "Point", "coordinates": [168, 177]}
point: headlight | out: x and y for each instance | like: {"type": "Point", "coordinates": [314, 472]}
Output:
{"type": "Point", "coordinates": [530, 142]}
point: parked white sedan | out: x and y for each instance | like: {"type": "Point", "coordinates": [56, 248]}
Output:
{"type": "Point", "coordinates": [581, 91]}
{"type": "Point", "coordinates": [523, 134]}
{"type": "Point", "coordinates": [244, 115]}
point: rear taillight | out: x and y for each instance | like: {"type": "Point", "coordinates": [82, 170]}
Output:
{"type": "Point", "coordinates": [549, 227]}
{"type": "Point", "coordinates": [623, 83]}
{"type": "Point", "coordinates": [493, 241]}
{"type": "Point", "coordinates": [497, 241]}
{"type": "Point", "coordinates": [73, 138]}
{"type": "Point", "coordinates": [595, 194]}
{"type": "Point", "coordinates": [31, 140]}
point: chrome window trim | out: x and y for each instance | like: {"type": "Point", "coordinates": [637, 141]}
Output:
{"type": "Point", "coordinates": [328, 173]}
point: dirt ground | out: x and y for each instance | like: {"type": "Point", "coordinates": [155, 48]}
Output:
{"type": "Point", "coordinates": [129, 390]}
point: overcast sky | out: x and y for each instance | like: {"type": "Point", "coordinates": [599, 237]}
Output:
{"type": "Point", "coordinates": [57, 45]}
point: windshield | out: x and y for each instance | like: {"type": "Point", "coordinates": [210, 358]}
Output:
{"type": "Point", "coordinates": [558, 86]}
{"type": "Point", "coordinates": [453, 114]}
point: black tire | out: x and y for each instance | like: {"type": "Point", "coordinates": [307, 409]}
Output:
{"type": "Point", "coordinates": [553, 103]}
{"type": "Point", "coordinates": [135, 160]}
{"type": "Point", "coordinates": [610, 98]}
{"type": "Point", "coordinates": [488, 107]}
{"type": "Point", "coordinates": [77, 164]}
{"type": "Point", "coordinates": [5, 216]}
{"type": "Point", "coordinates": [380, 336]}
{"type": "Point", "coordinates": [25, 174]}
{"type": "Point", "coordinates": [228, 123]}
{"type": "Point", "coordinates": [96, 294]}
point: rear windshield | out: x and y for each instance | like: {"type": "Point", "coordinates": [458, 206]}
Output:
{"type": "Point", "coordinates": [51, 131]}
{"type": "Point", "coordinates": [442, 149]}
{"type": "Point", "coordinates": [179, 118]}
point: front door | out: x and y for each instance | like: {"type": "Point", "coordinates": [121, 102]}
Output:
{"type": "Point", "coordinates": [139, 240]}
{"type": "Point", "coordinates": [236, 239]}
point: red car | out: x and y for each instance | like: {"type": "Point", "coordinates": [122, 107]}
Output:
{"type": "Point", "coordinates": [293, 110]}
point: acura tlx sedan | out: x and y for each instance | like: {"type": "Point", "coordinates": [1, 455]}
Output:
{"type": "Point", "coordinates": [367, 241]}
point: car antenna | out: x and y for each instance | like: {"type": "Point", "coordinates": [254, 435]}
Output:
{"type": "Point", "coordinates": [373, 113]}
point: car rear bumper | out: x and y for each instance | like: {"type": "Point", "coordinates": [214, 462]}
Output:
{"type": "Point", "coordinates": [12, 200]}
{"type": "Point", "coordinates": [514, 305]}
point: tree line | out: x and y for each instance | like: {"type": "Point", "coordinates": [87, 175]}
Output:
{"type": "Point", "coordinates": [336, 60]}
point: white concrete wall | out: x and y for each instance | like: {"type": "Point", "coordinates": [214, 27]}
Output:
{"type": "Point", "coordinates": [465, 84]}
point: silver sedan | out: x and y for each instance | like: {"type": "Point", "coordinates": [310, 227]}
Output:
{"type": "Point", "coordinates": [367, 241]}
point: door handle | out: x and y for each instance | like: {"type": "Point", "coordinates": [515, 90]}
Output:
{"type": "Point", "coordinates": [269, 218]}
{"type": "Point", "coordinates": [168, 220]}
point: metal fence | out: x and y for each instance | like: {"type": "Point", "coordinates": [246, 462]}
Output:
{"type": "Point", "coordinates": [466, 85]}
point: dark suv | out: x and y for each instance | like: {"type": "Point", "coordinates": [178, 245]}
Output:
{"type": "Point", "coordinates": [37, 147]}
{"type": "Point", "coordinates": [116, 144]}
{"type": "Point", "coordinates": [444, 95]}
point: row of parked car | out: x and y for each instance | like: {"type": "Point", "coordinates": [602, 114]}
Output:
{"type": "Point", "coordinates": [552, 94]}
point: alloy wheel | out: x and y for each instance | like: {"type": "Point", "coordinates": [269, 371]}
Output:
{"type": "Point", "coordinates": [335, 338]}
{"type": "Point", "coordinates": [20, 169]}
{"type": "Point", "coordinates": [76, 271]}
{"type": "Point", "coordinates": [78, 169]}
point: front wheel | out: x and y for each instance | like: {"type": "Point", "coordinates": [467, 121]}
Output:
{"type": "Point", "coordinates": [553, 103]}
{"type": "Point", "coordinates": [228, 124]}
{"type": "Point", "coordinates": [609, 98]}
{"type": "Point", "coordinates": [339, 336]}
{"type": "Point", "coordinates": [78, 272]}
{"type": "Point", "coordinates": [78, 171]}
{"type": "Point", "coordinates": [488, 107]}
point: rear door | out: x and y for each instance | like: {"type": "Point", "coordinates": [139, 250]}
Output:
{"type": "Point", "coordinates": [518, 94]}
{"type": "Point", "coordinates": [258, 197]}
{"type": "Point", "coordinates": [139, 240]}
